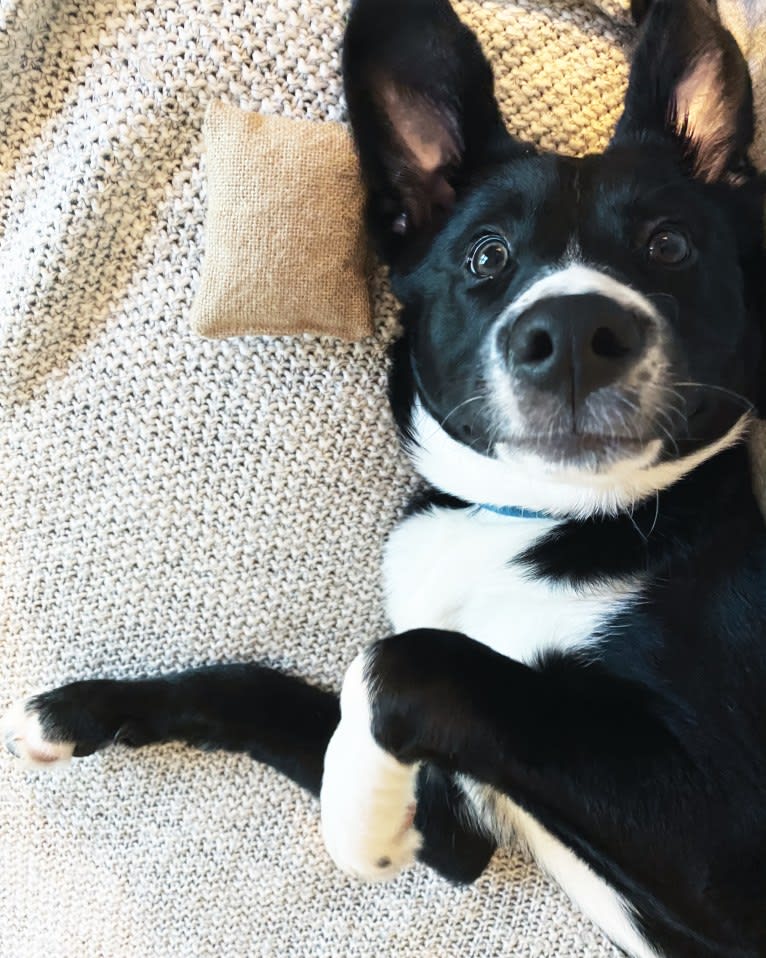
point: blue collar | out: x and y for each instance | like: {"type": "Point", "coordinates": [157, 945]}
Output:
{"type": "Point", "coordinates": [515, 512]}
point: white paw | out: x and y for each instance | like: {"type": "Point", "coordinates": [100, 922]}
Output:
{"type": "Point", "coordinates": [23, 736]}
{"type": "Point", "coordinates": [368, 797]}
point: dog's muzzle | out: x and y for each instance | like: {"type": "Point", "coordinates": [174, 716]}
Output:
{"type": "Point", "coordinates": [571, 346]}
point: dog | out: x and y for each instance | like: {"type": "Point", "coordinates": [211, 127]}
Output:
{"type": "Point", "coordinates": [579, 593]}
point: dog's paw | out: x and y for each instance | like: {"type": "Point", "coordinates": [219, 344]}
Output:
{"type": "Point", "coordinates": [368, 797]}
{"type": "Point", "coordinates": [30, 738]}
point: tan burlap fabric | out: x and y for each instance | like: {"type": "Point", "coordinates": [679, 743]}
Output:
{"type": "Point", "coordinates": [285, 251]}
{"type": "Point", "coordinates": [167, 500]}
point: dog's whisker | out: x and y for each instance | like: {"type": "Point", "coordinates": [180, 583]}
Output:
{"type": "Point", "coordinates": [669, 435]}
{"type": "Point", "coordinates": [723, 389]}
{"type": "Point", "coordinates": [663, 387]}
{"type": "Point", "coordinates": [460, 405]}
{"type": "Point", "coordinates": [656, 513]}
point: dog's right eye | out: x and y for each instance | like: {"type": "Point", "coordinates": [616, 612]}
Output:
{"type": "Point", "coordinates": [488, 257]}
{"type": "Point", "coordinates": [669, 247]}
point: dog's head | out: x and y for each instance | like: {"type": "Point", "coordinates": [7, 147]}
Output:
{"type": "Point", "coordinates": [578, 333]}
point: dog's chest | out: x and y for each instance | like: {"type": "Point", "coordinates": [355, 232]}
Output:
{"type": "Point", "coordinates": [457, 569]}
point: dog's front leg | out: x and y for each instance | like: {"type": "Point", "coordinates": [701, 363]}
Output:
{"type": "Point", "coordinates": [276, 718]}
{"type": "Point", "coordinates": [593, 751]}
{"type": "Point", "coordinates": [368, 795]}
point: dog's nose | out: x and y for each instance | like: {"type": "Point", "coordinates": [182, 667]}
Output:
{"type": "Point", "coordinates": [575, 344]}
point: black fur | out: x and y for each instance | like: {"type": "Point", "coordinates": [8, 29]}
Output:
{"type": "Point", "coordinates": [274, 718]}
{"type": "Point", "coordinates": [683, 522]}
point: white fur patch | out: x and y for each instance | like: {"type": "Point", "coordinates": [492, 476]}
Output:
{"type": "Point", "coordinates": [453, 569]}
{"type": "Point", "coordinates": [577, 279]}
{"type": "Point", "coordinates": [525, 479]}
{"type": "Point", "coordinates": [23, 736]}
{"type": "Point", "coordinates": [598, 900]}
{"type": "Point", "coordinates": [367, 797]}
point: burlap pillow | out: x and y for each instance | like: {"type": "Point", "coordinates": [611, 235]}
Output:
{"type": "Point", "coordinates": [285, 251]}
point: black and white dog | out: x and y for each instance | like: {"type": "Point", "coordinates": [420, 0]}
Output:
{"type": "Point", "coordinates": [580, 599]}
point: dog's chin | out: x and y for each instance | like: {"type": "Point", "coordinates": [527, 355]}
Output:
{"type": "Point", "coordinates": [588, 454]}
{"type": "Point", "coordinates": [565, 475]}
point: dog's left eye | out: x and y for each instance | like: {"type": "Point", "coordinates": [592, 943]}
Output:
{"type": "Point", "coordinates": [488, 257]}
{"type": "Point", "coordinates": [669, 247]}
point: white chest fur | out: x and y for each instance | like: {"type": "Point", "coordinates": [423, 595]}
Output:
{"type": "Point", "coordinates": [455, 569]}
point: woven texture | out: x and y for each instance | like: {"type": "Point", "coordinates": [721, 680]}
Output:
{"type": "Point", "coordinates": [747, 21]}
{"type": "Point", "coordinates": [168, 501]}
{"type": "Point", "coordinates": [285, 251]}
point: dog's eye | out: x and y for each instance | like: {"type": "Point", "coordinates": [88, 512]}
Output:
{"type": "Point", "coordinates": [488, 257]}
{"type": "Point", "coordinates": [669, 247]}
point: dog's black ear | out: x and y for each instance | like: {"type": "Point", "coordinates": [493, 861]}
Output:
{"type": "Point", "coordinates": [689, 83]}
{"type": "Point", "coordinates": [420, 95]}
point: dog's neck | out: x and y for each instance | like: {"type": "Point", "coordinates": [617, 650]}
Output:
{"type": "Point", "coordinates": [459, 471]}
{"type": "Point", "coordinates": [711, 512]}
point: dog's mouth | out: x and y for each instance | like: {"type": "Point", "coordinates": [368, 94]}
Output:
{"type": "Point", "coordinates": [578, 450]}
{"type": "Point", "coordinates": [629, 423]}
{"type": "Point", "coordinates": [574, 444]}
{"type": "Point", "coordinates": [613, 425]}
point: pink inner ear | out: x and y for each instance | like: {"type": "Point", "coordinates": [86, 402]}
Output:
{"type": "Point", "coordinates": [421, 128]}
{"type": "Point", "coordinates": [701, 114]}
{"type": "Point", "coordinates": [428, 145]}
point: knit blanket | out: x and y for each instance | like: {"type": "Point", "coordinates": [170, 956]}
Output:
{"type": "Point", "coordinates": [167, 501]}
